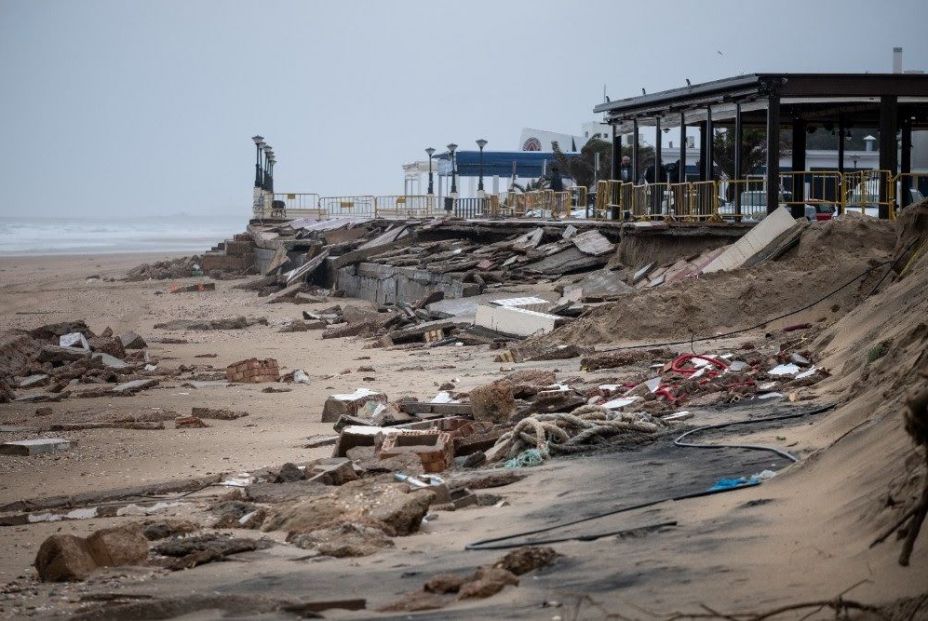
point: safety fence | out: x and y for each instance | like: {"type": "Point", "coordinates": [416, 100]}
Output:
{"type": "Point", "coordinates": [874, 193]}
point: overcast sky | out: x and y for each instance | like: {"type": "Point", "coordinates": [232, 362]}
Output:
{"type": "Point", "coordinates": [137, 108]}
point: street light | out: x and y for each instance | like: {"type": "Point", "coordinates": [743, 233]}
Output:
{"type": "Point", "coordinates": [259, 142]}
{"type": "Point", "coordinates": [454, 186]}
{"type": "Point", "coordinates": [270, 182]}
{"type": "Point", "coordinates": [268, 152]}
{"type": "Point", "coordinates": [430, 151]}
{"type": "Point", "coordinates": [481, 143]}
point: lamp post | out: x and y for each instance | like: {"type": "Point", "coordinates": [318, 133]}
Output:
{"type": "Point", "coordinates": [268, 152]}
{"type": "Point", "coordinates": [454, 186]}
{"type": "Point", "coordinates": [270, 183]}
{"type": "Point", "coordinates": [259, 142]}
{"type": "Point", "coordinates": [430, 151]}
{"type": "Point", "coordinates": [481, 143]}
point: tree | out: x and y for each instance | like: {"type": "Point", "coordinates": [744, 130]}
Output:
{"type": "Point", "coordinates": [753, 151]}
{"type": "Point", "coordinates": [581, 167]}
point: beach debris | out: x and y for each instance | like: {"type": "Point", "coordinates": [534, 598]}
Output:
{"type": "Point", "coordinates": [68, 557]}
{"type": "Point", "coordinates": [339, 405]}
{"type": "Point", "coordinates": [253, 371]}
{"type": "Point", "coordinates": [38, 446]}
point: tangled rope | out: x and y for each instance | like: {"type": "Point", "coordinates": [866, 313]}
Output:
{"type": "Point", "coordinates": [561, 433]}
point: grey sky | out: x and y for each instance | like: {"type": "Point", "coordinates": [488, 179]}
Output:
{"type": "Point", "coordinates": [141, 107]}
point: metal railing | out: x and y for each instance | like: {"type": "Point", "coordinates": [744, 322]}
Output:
{"type": "Point", "coordinates": [869, 192]}
{"type": "Point", "coordinates": [363, 206]}
{"type": "Point", "coordinates": [650, 200]}
{"type": "Point", "coordinates": [695, 201]}
{"type": "Point", "coordinates": [743, 200]}
{"type": "Point", "coordinates": [406, 206]}
{"type": "Point", "coordinates": [470, 207]}
{"type": "Point", "coordinates": [818, 190]}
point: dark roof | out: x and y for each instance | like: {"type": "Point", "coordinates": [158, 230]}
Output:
{"type": "Point", "coordinates": [760, 85]}
{"type": "Point", "coordinates": [528, 163]}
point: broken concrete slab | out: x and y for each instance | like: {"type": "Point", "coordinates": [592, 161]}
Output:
{"type": "Point", "coordinates": [532, 303]}
{"type": "Point", "coordinates": [130, 388]}
{"type": "Point", "coordinates": [593, 243]}
{"type": "Point", "coordinates": [753, 242]}
{"type": "Point", "coordinates": [75, 340]}
{"type": "Point", "coordinates": [601, 283]}
{"type": "Point", "coordinates": [131, 340]}
{"type": "Point", "coordinates": [640, 274]}
{"type": "Point", "coordinates": [305, 270]}
{"type": "Point", "coordinates": [514, 321]}
{"type": "Point", "coordinates": [39, 446]}
{"type": "Point", "coordinates": [34, 381]}
{"type": "Point", "coordinates": [349, 404]}
{"type": "Point", "coordinates": [111, 362]}
{"type": "Point", "coordinates": [54, 353]}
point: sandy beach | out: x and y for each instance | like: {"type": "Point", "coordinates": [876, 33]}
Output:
{"type": "Point", "coordinates": [803, 535]}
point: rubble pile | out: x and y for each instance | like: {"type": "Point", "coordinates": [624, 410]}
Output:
{"type": "Point", "coordinates": [59, 360]}
{"type": "Point", "coordinates": [183, 267]}
{"type": "Point", "coordinates": [703, 304]}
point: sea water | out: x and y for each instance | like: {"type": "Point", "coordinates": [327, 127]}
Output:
{"type": "Point", "coordinates": [168, 234]}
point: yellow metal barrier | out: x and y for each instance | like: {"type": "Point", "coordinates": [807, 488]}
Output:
{"type": "Point", "coordinates": [406, 206]}
{"type": "Point", "coordinates": [818, 189]}
{"type": "Point", "coordinates": [869, 192]}
{"type": "Point", "coordinates": [695, 201]}
{"type": "Point", "coordinates": [650, 200]}
{"type": "Point", "coordinates": [743, 199]}
{"type": "Point", "coordinates": [348, 206]}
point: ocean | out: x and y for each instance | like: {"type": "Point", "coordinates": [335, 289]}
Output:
{"type": "Point", "coordinates": [168, 234]}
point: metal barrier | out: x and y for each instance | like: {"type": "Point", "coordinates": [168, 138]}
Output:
{"type": "Point", "coordinates": [743, 199]}
{"type": "Point", "coordinates": [910, 188]}
{"type": "Point", "coordinates": [869, 192]}
{"type": "Point", "coordinates": [650, 200]}
{"type": "Point", "coordinates": [406, 206]}
{"type": "Point", "coordinates": [348, 206]}
{"type": "Point", "coordinates": [820, 190]}
{"type": "Point", "coordinates": [695, 201]}
{"type": "Point", "coordinates": [470, 207]}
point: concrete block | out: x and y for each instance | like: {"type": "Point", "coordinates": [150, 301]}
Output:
{"type": "Point", "coordinates": [39, 446]}
{"type": "Point", "coordinates": [753, 242]}
{"type": "Point", "coordinates": [514, 321]}
{"type": "Point", "coordinates": [527, 303]}
{"type": "Point", "coordinates": [359, 435]}
{"type": "Point", "coordinates": [337, 406]}
{"type": "Point", "coordinates": [434, 448]}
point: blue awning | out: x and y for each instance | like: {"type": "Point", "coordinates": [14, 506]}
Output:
{"type": "Point", "coordinates": [529, 164]}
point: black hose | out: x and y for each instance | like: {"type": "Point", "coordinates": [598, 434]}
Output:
{"type": "Point", "coordinates": [494, 544]}
{"type": "Point", "coordinates": [756, 447]}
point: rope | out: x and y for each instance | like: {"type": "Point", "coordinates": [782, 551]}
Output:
{"type": "Point", "coordinates": [562, 432]}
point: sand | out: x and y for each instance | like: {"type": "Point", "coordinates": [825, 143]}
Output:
{"type": "Point", "coordinates": [803, 535]}
{"type": "Point", "coordinates": [829, 254]}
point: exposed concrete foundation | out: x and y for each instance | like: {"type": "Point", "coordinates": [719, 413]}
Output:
{"type": "Point", "coordinates": [661, 244]}
{"type": "Point", "coordinates": [385, 284]}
